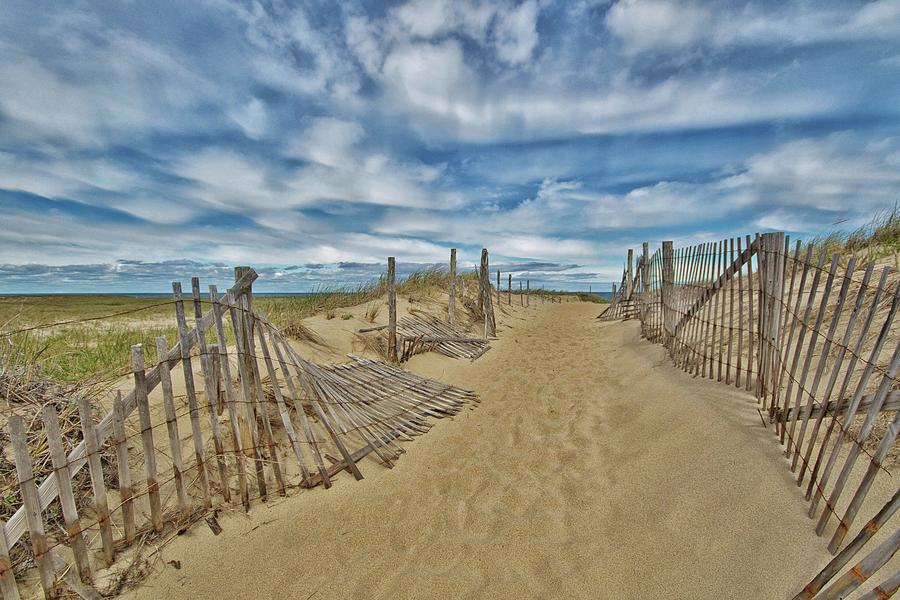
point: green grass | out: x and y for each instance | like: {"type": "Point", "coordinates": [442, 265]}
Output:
{"type": "Point", "coordinates": [83, 339]}
{"type": "Point", "coordinates": [877, 239]}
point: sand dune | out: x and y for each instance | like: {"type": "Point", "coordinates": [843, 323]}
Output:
{"type": "Point", "coordinates": [591, 469]}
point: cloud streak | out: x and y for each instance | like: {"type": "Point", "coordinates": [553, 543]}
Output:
{"type": "Point", "coordinates": [279, 134]}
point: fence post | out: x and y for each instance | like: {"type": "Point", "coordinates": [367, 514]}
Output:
{"type": "Point", "coordinates": [392, 309]}
{"type": "Point", "coordinates": [498, 287]}
{"type": "Point", "coordinates": [248, 425]}
{"type": "Point", "coordinates": [32, 503]}
{"type": "Point", "coordinates": [527, 292]}
{"type": "Point", "coordinates": [772, 272]}
{"type": "Point", "coordinates": [509, 290]}
{"type": "Point", "coordinates": [645, 281]}
{"type": "Point", "coordinates": [629, 275]}
{"type": "Point", "coordinates": [451, 304]}
{"type": "Point", "coordinates": [487, 302]}
{"type": "Point", "coordinates": [8, 586]}
{"type": "Point", "coordinates": [668, 280]}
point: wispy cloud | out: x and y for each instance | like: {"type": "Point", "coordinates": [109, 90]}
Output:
{"type": "Point", "coordinates": [281, 134]}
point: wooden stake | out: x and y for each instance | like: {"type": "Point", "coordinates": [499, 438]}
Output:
{"type": "Point", "coordinates": [66, 496]}
{"type": "Point", "coordinates": [392, 310]}
{"type": "Point", "coordinates": [172, 427]}
{"type": "Point", "coordinates": [32, 505]}
{"type": "Point", "coordinates": [8, 586]}
{"type": "Point", "coordinates": [451, 304]}
{"type": "Point", "coordinates": [126, 492]}
{"type": "Point", "coordinates": [101, 506]}
{"type": "Point", "coordinates": [140, 396]}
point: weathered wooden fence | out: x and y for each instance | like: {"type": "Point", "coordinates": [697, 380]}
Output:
{"type": "Point", "coordinates": [327, 418]}
{"type": "Point", "coordinates": [812, 335]}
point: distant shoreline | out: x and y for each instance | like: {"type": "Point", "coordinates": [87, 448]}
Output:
{"type": "Point", "coordinates": [606, 295]}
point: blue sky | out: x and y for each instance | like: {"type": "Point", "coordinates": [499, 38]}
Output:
{"type": "Point", "coordinates": [144, 142]}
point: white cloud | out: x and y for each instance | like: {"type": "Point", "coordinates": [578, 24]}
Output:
{"type": "Point", "coordinates": [113, 83]}
{"type": "Point", "coordinates": [327, 141]}
{"type": "Point", "coordinates": [251, 118]}
{"type": "Point", "coordinates": [661, 25]}
{"type": "Point", "coordinates": [658, 24]}
{"type": "Point", "coordinates": [515, 33]}
{"type": "Point", "coordinates": [433, 78]}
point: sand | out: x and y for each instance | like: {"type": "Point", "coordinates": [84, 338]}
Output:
{"type": "Point", "coordinates": [591, 469]}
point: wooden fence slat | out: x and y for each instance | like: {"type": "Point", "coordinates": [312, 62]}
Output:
{"type": "Point", "coordinates": [779, 253]}
{"type": "Point", "coordinates": [66, 495]}
{"type": "Point", "coordinates": [714, 316]}
{"type": "Point", "coordinates": [101, 504]}
{"type": "Point", "coordinates": [126, 492]}
{"type": "Point", "coordinates": [8, 586]}
{"type": "Point", "coordinates": [729, 364]}
{"type": "Point", "coordinates": [702, 324]}
{"type": "Point", "coordinates": [392, 309]}
{"type": "Point", "coordinates": [451, 302]}
{"type": "Point", "coordinates": [143, 405]}
{"type": "Point", "coordinates": [172, 427]}
{"type": "Point", "coordinates": [191, 393]}
{"type": "Point", "coordinates": [687, 290]}
{"type": "Point", "coordinates": [722, 362]}
{"type": "Point", "coordinates": [750, 321]}
{"type": "Point", "coordinates": [740, 336]}
{"type": "Point", "coordinates": [885, 589]}
{"type": "Point", "coordinates": [794, 319]}
{"type": "Point", "coordinates": [230, 402]}
{"type": "Point", "coordinates": [690, 292]}
{"type": "Point", "coordinates": [32, 505]}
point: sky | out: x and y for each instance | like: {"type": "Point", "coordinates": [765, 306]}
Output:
{"type": "Point", "coordinates": [142, 142]}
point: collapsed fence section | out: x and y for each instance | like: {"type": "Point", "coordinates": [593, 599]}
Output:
{"type": "Point", "coordinates": [811, 334]}
{"type": "Point", "coordinates": [245, 418]}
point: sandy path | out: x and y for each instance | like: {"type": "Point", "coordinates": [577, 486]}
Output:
{"type": "Point", "coordinates": [592, 469]}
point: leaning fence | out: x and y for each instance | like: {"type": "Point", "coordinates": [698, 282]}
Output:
{"type": "Point", "coordinates": [812, 335]}
{"type": "Point", "coordinates": [251, 418]}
